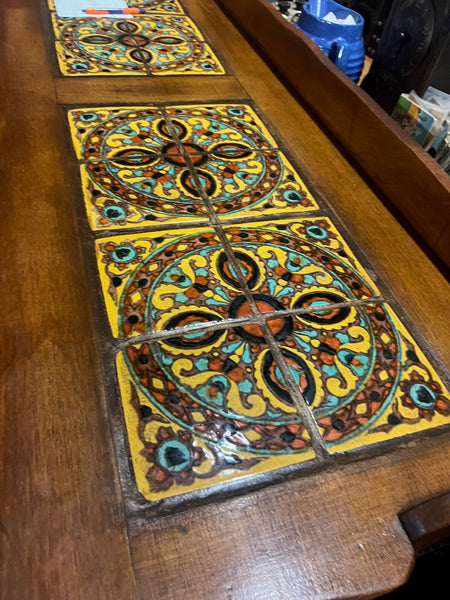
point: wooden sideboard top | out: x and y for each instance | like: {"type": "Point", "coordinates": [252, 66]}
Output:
{"type": "Point", "coordinates": [69, 528]}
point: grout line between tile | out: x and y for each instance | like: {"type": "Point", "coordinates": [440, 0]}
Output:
{"type": "Point", "coordinates": [179, 145]}
{"type": "Point", "coordinates": [255, 319]}
{"type": "Point", "coordinates": [204, 221]}
{"type": "Point", "coordinates": [303, 411]}
{"type": "Point", "coordinates": [297, 397]}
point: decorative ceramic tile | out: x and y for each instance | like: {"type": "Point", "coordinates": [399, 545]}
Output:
{"type": "Point", "coordinates": [119, 196]}
{"type": "Point", "coordinates": [252, 184]}
{"type": "Point", "coordinates": [163, 280]}
{"type": "Point", "coordinates": [295, 264]}
{"type": "Point", "coordinates": [237, 179]}
{"type": "Point", "coordinates": [154, 168]}
{"type": "Point", "coordinates": [175, 46]}
{"type": "Point", "coordinates": [223, 129]}
{"type": "Point", "coordinates": [99, 47]}
{"type": "Point", "coordinates": [132, 134]}
{"type": "Point", "coordinates": [362, 374]}
{"type": "Point", "coordinates": [201, 409]}
{"type": "Point", "coordinates": [156, 44]}
{"type": "Point", "coordinates": [143, 179]}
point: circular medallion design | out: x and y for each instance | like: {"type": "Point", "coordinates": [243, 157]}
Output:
{"type": "Point", "coordinates": [155, 42]}
{"type": "Point", "coordinates": [228, 374]}
{"type": "Point", "coordinates": [144, 162]}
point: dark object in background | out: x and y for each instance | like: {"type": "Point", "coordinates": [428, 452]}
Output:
{"type": "Point", "coordinates": [440, 78]}
{"type": "Point", "coordinates": [413, 36]}
{"type": "Point", "coordinates": [428, 578]}
{"type": "Point", "coordinates": [374, 13]}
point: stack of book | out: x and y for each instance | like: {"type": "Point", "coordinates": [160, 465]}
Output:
{"type": "Point", "coordinates": [427, 120]}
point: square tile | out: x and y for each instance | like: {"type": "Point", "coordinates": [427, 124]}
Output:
{"type": "Point", "coordinates": [362, 374]}
{"type": "Point", "coordinates": [131, 134]}
{"type": "Point", "coordinates": [99, 47]}
{"type": "Point", "coordinates": [250, 183]}
{"type": "Point", "coordinates": [202, 410]}
{"type": "Point", "coordinates": [165, 280]}
{"type": "Point", "coordinates": [151, 44]}
{"type": "Point", "coordinates": [224, 129]}
{"type": "Point", "coordinates": [296, 264]}
{"type": "Point", "coordinates": [175, 46]}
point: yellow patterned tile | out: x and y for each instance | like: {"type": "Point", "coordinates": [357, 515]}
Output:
{"type": "Point", "coordinates": [242, 173]}
{"type": "Point", "coordinates": [150, 44]}
{"type": "Point", "coordinates": [120, 197]}
{"type": "Point", "coordinates": [232, 126]}
{"type": "Point", "coordinates": [378, 386]}
{"type": "Point", "coordinates": [108, 133]}
{"type": "Point", "coordinates": [197, 417]}
{"type": "Point", "coordinates": [152, 281]}
{"type": "Point", "coordinates": [97, 47]}
{"type": "Point", "coordinates": [294, 261]}
{"type": "Point", "coordinates": [164, 6]}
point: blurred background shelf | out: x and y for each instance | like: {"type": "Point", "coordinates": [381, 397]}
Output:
{"type": "Point", "coordinates": [410, 183]}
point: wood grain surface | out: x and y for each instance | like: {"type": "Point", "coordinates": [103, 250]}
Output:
{"type": "Point", "coordinates": [64, 534]}
{"type": "Point", "coordinates": [64, 531]}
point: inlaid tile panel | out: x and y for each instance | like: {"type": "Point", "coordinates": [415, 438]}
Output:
{"type": "Point", "coordinates": [204, 408]}
{"type": "Point", "coordinates": [163, 280]}
{"type": "Point", "coordinates": [172, 164]}
{"type": "Point", "coordinates": [240, 346]}
{"type": "Point", "coordinates": [118, 196]}
{"type": "Point", "coordinates": [162, 41]}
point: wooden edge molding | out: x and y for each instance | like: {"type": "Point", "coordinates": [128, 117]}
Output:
{"type": "Point", "coordinates": [408, 177]}
{"type": "Point", "coordinates": [428, 523]}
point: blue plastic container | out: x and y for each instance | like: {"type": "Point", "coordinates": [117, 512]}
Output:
{"type": "Point", "coordinates": [342, 43]}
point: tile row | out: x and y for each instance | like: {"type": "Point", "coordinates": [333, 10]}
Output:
{"type": "Point", "coordinates": [240, 347]}
{"type": "Point", "coordinates": [144, 165]}
{"type": "Point", "coordinates": [162, 41]}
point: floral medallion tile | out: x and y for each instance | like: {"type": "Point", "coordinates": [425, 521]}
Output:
{"type": "Point", "coordinates": [362, 374]}
{"type": "Point", "coordinates": [165, 280]}
{"type": "Point", "coordinates": [252, 184]}
{"type": "Point", "coordinates": [173, 45]}
{"type": "Point", "coordinates": [204, 409]}
{"type": "Point", "coordinates": [225, 128]}
{"type": "Point", "coordinates": [150, 44]}
{"type": "Point", "coordinates": [296, 264]}
{"type": "Point", "coordinates": [128, 134]}
{"type": "Point", "coordinates": [151, 167]}
{"type": "Point", "coordinates": [99, 47]}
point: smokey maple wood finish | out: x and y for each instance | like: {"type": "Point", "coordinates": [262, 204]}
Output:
{"type": "Point", "coordinates": [65, 531]}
